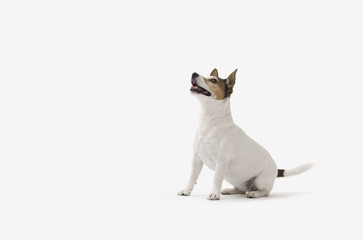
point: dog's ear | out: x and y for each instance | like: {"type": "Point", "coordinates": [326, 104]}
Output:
{"type": "Point", "coordinates": [214, 73]}
{"type": "Point", "coordinates": [231, 79]}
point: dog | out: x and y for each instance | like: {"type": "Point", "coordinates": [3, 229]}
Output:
{"type": "Point", "coordinates": [223, 147]}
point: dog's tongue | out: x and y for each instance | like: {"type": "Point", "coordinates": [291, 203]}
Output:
{"type": "Point", "coordinates": [201, 90]}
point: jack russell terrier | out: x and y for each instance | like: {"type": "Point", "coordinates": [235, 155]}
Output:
{"type": "Point", "coordinates": [225, 148]}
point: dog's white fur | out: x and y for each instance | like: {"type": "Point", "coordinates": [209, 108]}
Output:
{"type": "Point", "coordinates": [223, 147]}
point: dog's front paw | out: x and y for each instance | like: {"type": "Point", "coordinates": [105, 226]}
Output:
{"type": "Point", "coordinates": [184, 192]}
{"type": "Point", "coordinates": [214, 196]}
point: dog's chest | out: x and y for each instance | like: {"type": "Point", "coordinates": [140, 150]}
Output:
{"type": "Point", "coordinates": [208, 151]}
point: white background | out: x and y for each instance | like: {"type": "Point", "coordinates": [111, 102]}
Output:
{"type": "Point", "coordinates": [96, 145]}
{"type": "Point", "coordinates": [39, 120]}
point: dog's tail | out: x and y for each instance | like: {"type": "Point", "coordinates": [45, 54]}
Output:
{"type": "Point", "coordinates": [294, 171]}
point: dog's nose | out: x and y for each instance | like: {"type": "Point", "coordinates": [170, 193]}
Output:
{"type": "Point", "coordinates": [195, 75]}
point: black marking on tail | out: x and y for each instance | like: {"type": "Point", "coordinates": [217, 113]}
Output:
{"type": "Point", "coordinates": [280, 172]}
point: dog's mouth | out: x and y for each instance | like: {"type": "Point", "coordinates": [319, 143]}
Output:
{"type": "Point", "coordinates": [198, 89]}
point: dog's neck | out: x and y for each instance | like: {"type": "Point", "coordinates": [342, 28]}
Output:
{"type": "Point", "coordinates": [215, 113]}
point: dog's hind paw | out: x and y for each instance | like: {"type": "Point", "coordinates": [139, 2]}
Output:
{"type": "Point", "coordinates": [185, 192]}
{"type": "Point", "coordinates": [256, 194]}
{"type": "Point", "coordinates": [230, 191]}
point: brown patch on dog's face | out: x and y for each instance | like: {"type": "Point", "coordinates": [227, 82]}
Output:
{"type": "Point", "coordinates": [217, 86]}
{"type": "Point", "coordinates": [222, 88]}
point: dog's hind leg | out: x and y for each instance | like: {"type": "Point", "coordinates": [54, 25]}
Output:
{"type": "Point", "coordinates": [230, 191]}
{"type": "Point", "coordinates": [261, 185]}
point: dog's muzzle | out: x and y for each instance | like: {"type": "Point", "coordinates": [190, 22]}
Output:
{"type": "Point", "coordinates": [196, 88]}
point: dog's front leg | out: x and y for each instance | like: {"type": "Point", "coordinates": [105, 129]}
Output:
{"type": "Point", "coordinates": [197, 166]}
{"type": "Point", "coordinates": [219, 172]}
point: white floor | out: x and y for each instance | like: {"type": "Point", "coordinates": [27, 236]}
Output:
{"type": "Point", "coordinates": [294, 210]}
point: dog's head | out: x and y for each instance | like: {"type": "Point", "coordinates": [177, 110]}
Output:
{"type": "Point", "coordinates": [212, 87]}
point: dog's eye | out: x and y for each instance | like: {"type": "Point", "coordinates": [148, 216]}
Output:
{"type": "Point", "coordinates": [213, 80]}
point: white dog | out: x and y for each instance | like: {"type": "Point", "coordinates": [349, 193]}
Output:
{"type": "Point", "coordinates": [225, 148]}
